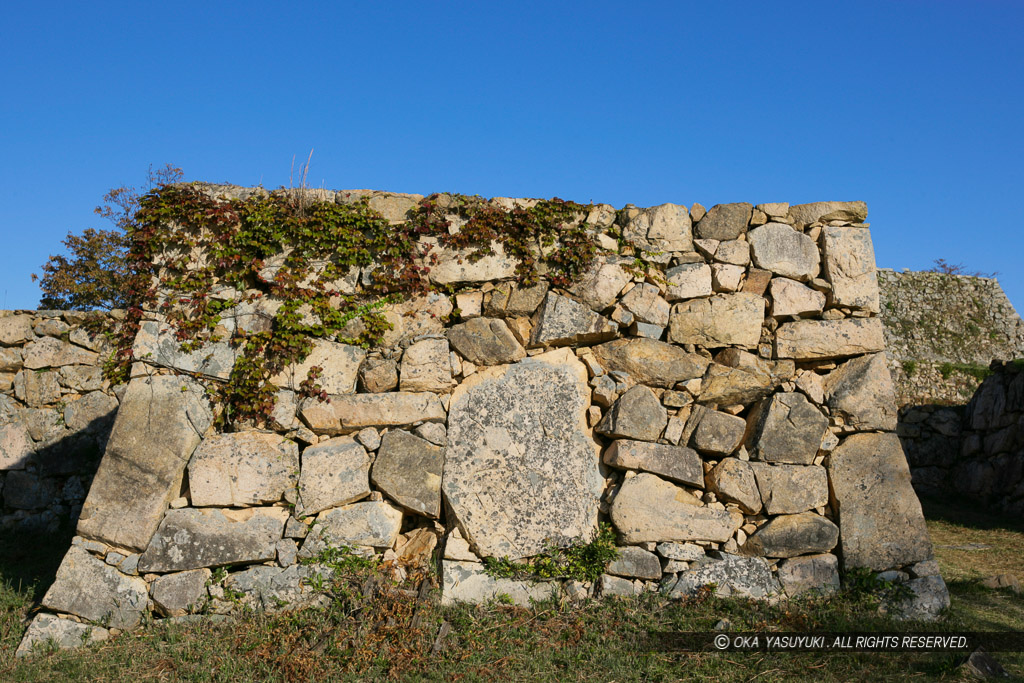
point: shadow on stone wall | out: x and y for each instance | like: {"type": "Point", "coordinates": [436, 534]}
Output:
{"type": "Point", "coordinates": [46, 493]}
{"type": "Point", "coordinates": [974, 451]}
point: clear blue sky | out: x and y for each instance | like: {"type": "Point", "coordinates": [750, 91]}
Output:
{"type": "Point", "coordinates": [914, 107]}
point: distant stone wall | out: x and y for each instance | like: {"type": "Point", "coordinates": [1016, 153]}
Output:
{"type": "Point", "coordinates": [714, 388]}
{"type": "Point", "coordinates": [942, 330]}
{"type": "Point", "coordinates": [977, 450]}
{"type": "Point", "coordinates": [56, 411]}
{"type": "Point", "coordinates": [942, 334]}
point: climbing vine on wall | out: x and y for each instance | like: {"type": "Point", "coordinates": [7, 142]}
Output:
{"type": "Point", "coordinates": [273, 272]}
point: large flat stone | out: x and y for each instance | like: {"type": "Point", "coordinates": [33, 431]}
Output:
{"type": "Point", "coordinates": [881, 525]}
{"type": "Point", "coordinates": [467, 582]}
{"type": "Point", "coordinates": [850, 267]}
{"type": "Point", "coordinates": [426, 366]}
{"type": "Point", "coordinates": [786, 489]}
{"type": "Point", "coordinates": [192, 538]}
{"type": "Point", "coordinates": [648, 508]}
{"type": "Point", "coordinates": [660, 228]}
{"type": "Point", "coordinates": [64, 634]}
{"type": "Point", "coordinates": [637, 414]}
{"type": "Point", "coordinates": [635, 563]}
{"type": "Point", "coordinates": [158, 426]}
{"type": "Point", "coordinates": [720, 320]}
{"type": "Point", "coordinates": [688, 281]}
{"type": "Point", "coordinates": [351, 412]}
{"type": "Point", "coordinates": [724, 385]}
{"type": "Point", "coordinates": [89, 588]}
{"type": "Point", "coordinates": [156, 344]}
{"type": "Point", "coordinates": [457, 266]}
{"type": "Point", "coordinates": [600, 286]}
{"type": "Point", "coordinates": [792, 535]}
{"type": "Point", "coordinates": [651, 362]}
{"type": "Point", "coordinates": [334, 472]}
{"type": "Point", "coordinates": [486, 341]}
{"type": "Point", "coordinates": [521, 466]}
{"type": "Point", "coordinates": [17, 329]}
{"type": "Point", "coordinates": [339, 364]}
{"type": "Point", "coordinates": [47, 352]}
{"type": "Point", "coordinates": [242, 469]}
{"type": "Point", "coordinates": [785, 427]}
{"type": "Point", "coordinates": [408, 470]}
{"type": "Point", "coordinates": [677, 463]}
{"type": "Point", "coordinates": [822, 339]}
{"type": "Point", "coordinates": [561, 321]}
{"type": "Point", "coordinates": [725, 221]}
{"type": "Point", "coordinates": [799, 575]}
{"type": "Point", "coordinates": [732, 576]}
{"type": "Point", "coordinates": [805, 214]}
{"type": "Point", "coordinates": [862, 393]}
{"type": "Point", "coordinates": [784, 251]}
{"type": "Point", "coordinates": [370, 523]}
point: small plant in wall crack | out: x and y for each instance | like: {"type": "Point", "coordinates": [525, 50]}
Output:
{"type": "Point", "coordinates": [579, 561]}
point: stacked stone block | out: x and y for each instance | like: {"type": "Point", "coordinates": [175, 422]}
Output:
{"type": "Point", "coordinates": [714, 387]}
{"type": "Point", "coordinates": [56, 411]}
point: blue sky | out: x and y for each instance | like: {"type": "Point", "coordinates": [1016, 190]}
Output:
{"type": "Point", "coordinates": [914, 107]}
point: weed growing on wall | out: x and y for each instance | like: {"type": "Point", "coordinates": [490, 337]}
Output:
{"type": "Point", "coordinates": [579, 561]}
{"type": "Point", "coordinates": [273, 272]}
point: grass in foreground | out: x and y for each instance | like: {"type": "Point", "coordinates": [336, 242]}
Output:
{"type": "Point", "coordinates": [395, 636]}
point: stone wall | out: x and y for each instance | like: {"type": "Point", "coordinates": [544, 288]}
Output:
{"type": "Point", "coordinates": [942, 331]}
{"type": "Point", "coordinates": [977, 450]}
{"type": "Point", "coordinates": [56, 411]}
{"type": "Point", "coordinates": [942, 334]}
{"type": "Point", "coordinates": [715, 388]}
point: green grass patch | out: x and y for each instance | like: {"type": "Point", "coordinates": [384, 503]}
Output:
{"type": "Point", "coordinates": [395, 636]}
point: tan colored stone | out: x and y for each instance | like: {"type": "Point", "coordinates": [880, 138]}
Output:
{"type": "Point", "coordinates": [861, 392]}
{"type": "Point", "coordinates": [721, 320]}
{"type": "Point", "coordinates": [688, 281]}
{"type": "Point", "coordinates": [352, 412]}
{"type": "Point", "coordinates": [426, 367]}
{"type": "Point", "coordinates": [881, 525]}
{"type": "Point", "coordinates": [600, 286]}
{"type": "Point", "coordinates": [784, 251]}
{"type": "Point", "coordinates": [850, 267]}
{"type": "Point", "coordinates": [648, 508]}
{"type": "Point", "coordinates": [805, 214]}
{"type": "Point", "coordinates": [521, 463]}
{"type": "Point", "coordinates": [788, 489]}
{"type": "Point", "coordinates": [561, 321]}
{"type": "Point", "coordinates": [676, 463]}
{"type": "Point", "coordinates": [16, 329]}
{"type": "Point", "coordinates": [159, 424]}
{"type": "Point", "coordinates": [339, 365]}
{"type": "Point", "coordinates": [733, 480]}
{"type": "Point", "coordinates": [660, 228]}
{"type": "Point", "coordinates": [822, 339]}
{"type": "Point", "coordinates": [789, 297]}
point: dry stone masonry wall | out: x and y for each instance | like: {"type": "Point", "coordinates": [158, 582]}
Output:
{"type": "Point", "coordinates": [714, 387]}
{"type": "Point", "coordinates": [974, 451]}
{"type": "Point", "coordinates": [944, 334]}
{"type": "Point", "coordinates": [942, 331]}
{"type": "Point", "coordinates": [56, 411]}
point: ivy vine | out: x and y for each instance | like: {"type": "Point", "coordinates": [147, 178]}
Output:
{"type": "Point", "coordinates": [205, 263]}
